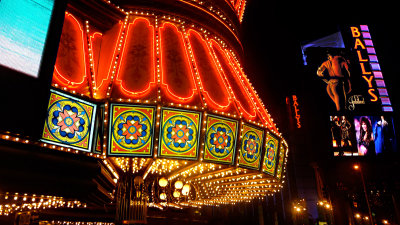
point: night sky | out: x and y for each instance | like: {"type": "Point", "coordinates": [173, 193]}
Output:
{"type": "Point", "coordinates": [272, 32]}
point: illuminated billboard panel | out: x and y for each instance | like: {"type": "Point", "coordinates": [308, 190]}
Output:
{"type": "Point", "coordinates": [23, 30]}
{"type": "Point", "coordinates": [362, 135]}
{"type": "Point", "coordinates": [346, 71]}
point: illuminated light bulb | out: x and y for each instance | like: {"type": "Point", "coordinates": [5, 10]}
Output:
{"type": "Point", "coordinates": [163, 182]}
{"type": "Point", "coordinates": [176, 194]}
{"type": "Point", "coordinates": [178, 184]}
{"type": "Point", "coordinates": [163, 196]}
{"type": "Point", "coordinates": [186, 189]}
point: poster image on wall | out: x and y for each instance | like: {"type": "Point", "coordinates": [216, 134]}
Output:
{"type": "Point", "coordinates": [220, 140]}
{"type": "Point", "coordinates": [363, 135]}
{"type": "Point", "coordinates": [179, 134]}
{"type": "Point", "coordinates": [131, 130]}
{"type": "Point", "coordinates": [342, 131]}
{"type": "Point", "coordinates": [347, 69]}
{"type": "Point", "coordinates": [251, 147]}
{"type": "Point", "coordinates": [271, 154]}
{"type": "Point", "coordinates": [69, 122]}
{"type": "Point", "coordinates": [375, 135]}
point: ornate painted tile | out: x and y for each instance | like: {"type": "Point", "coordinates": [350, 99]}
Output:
{"type": "Point", "coordinates": [131, 130]}
{"type": "Point", "coordinates": [271, 153]}
{"type": "Point", "coordinates": [251, 147]}
{"type": "Point", "coordinates": [179, 134]}
{"type": "Point", "coordinates": [282, 158]}
{"type": "Point", "coordinates": [69, 122]}
{"type": "Point", "coordinates": [220, 140]}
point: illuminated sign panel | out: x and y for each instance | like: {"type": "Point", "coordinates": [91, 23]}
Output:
{"type": "Point", "coordinates": [70, 122]}
{"type": "Point", "coordinates": [131, 130]}
{"type": "Point", "coordinates": [220, 140]}
{"type": "Point", "coordinates": [179, 134]}
{"type": "Point", "coordinates": [347, 72]}
{"type": "Point", "coordinates": [251, 147]}
{"type": "Point", "coordinates": [271, 154]}
{"type": "Point", "coordinates": [23, 30]}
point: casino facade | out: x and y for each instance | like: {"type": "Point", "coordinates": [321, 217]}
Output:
{"type": "Point", "coordinates": [149, 109]}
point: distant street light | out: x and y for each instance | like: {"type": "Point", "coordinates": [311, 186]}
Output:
{"type": "Point", "coordinates": [358, 167]}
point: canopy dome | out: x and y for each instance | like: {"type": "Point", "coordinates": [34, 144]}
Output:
{"type": "Point", "coordinates": [157, 91]}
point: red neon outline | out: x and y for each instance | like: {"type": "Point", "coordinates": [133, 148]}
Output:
{"type": "Point", "coordinates": [216, 17]}
{"type": "Point", "coordinates": [244, 92]}
{"type": "Point", "coordinates": [259, 105]}
{"type": "Point", "coordinates": [165, 86]}
{"type": "Point", "coordinates": [108, 77]}
{"type": "Point", "coordinates": [208, 98]}
{"type": "Point", "coordinates": [59, 77]}
{"type": "Point", "coordinates": [91, 37]}
{"type": "Point", "coordinates": [118, 79]}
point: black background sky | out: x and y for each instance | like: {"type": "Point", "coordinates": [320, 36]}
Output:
{"type": "Point", "coordinates": [272, 32]}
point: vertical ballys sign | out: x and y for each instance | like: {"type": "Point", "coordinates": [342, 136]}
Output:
{"type": "Point", "coordinates": [370, 68]}
{"type": "Point", "coordinates": [345, 78]}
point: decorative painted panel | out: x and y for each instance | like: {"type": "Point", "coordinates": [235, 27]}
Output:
{"type": "Point", "coordinates": [220, 140]}
{"type": "Point", "coordinates": [282, 154]}
{"type": "Point", "coordinates": [251, 146]}
{"type": "Point", "coordinates": [179, 134]}
{"type": "Point", "coordinates": [69, 122]}
{"type": "Point", "coordinates": [271, 153]}
{"type": "Point", "coordinates": [131, 130]}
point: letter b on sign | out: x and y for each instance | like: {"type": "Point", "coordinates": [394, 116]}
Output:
{"type": "Point", "coordinates": [355, 32]}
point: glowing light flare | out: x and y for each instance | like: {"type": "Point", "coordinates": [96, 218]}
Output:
{"type": "Point", "coordinates": [60, 75]}
{"type": "Point", "coordinates": [138, 51]}
{"type": "Point", "coordinates": [190, 79]}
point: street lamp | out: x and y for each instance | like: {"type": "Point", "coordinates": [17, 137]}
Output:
{"type": "Point", "coordinates": [358, 167]}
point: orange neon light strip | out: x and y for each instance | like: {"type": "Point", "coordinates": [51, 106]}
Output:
{"type": "Point", "coordinates": [106, 80]}
{"type": "Point", "coordinates": [246, 113]}
{"type": "Point", "coordinates": [171, 95]}
{"type": "Point", "coordinates": [209, 100]}
{"type": "Point", "coordinates": [256, 100]}
{"type": "Point", "coordinates": [62, 78]}
{"type": "Point", "coordinates": [222, 22]}
{"type": "Point", "coordinates": [132, 93]}
{"type": "Point", "coordinates": [91, 40]}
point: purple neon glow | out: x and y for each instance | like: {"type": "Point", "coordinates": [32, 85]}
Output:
{"type": "Point", "coordinates": [378, 74]}
{"type": "Point", "coordinates": [364, 27]}
{"type": "Point", "coordinates": [380, 83]}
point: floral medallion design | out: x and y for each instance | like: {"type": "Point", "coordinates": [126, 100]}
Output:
{"type": "Point", "coordinates": [69, 122]}
{"type": "Point", "coordinates": [179, 134]}
{"type": "Point", "coordinates": [251, 147]}
{"type": "Point", "coordinates": [270, 157]}
{"type": "Point", "coordinates": [279, 169]}
{"type": "Point", "coordinates": [220, 139]}
{"type": "Point", "coordinates": [131, 130]}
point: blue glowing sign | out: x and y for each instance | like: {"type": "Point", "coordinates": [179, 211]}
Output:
{"type": "Point", "coordinates": [23, 30]}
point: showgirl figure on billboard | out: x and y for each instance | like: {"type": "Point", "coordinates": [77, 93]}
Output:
{"type": "Point", "coordinates": [366, 144]}
{"type": "Point", "coordinates": [336, 74]}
